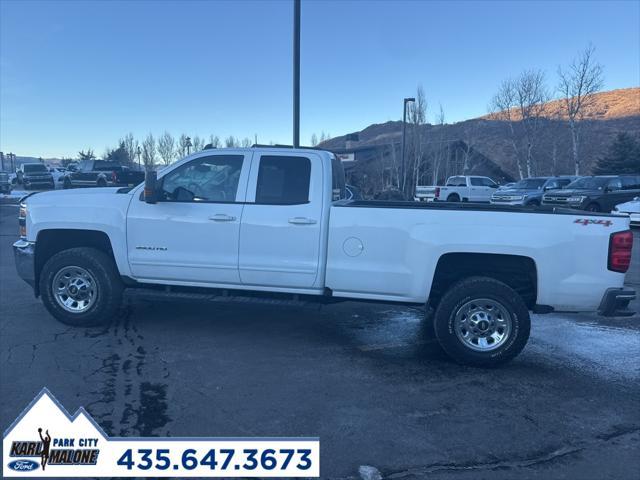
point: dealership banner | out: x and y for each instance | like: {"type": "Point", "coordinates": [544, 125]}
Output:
{"type": "Point", "coordinates": [45, 441]}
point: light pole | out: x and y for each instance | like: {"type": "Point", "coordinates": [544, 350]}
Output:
{"type": "Point", "coordinates": [404, 131]}
{"type": "Point", "coordinates": [139, 152]}
{"type": "Point", "coordinates": [296, 73]}
{"type": "Point", "coordinates": [189, 145]}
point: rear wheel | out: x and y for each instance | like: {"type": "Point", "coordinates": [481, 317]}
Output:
{"type": "Point", "coordinates": [81, 287]}
{"type": "Point", "coordinates": [481, 321]}
{"type": "Point", "coordinates": [454, 197]}
{"type": "Point", "coordinates": [102, 182]}
{"type": "Point", "coordinates": [66, 184]}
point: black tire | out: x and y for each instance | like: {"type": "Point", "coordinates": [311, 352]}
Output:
{"type": "Point", "coordinates": [101, 182]}
{"type": "Point", "coordinates": [454, 197]}
{"type": "Point", "coordinates": [465, 292]}
{"type": "Point", "coordinates": [533, 203]}
{"type": "Point", "coordinates": [109, 286]}
{"type": "Point", "coordinates": [593, 207]}
{"type": "Point", "coordinates": [66, 184]}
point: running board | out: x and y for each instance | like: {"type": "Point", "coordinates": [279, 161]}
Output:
{"type": "Point", "coordinates": [218, 298]}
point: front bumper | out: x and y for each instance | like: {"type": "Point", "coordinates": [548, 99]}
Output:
{"type": "Point", "coordinates": [615, 302]}
{"type": "Point", "coordinates": [25, 255]}
{"type": "Point", "coordinates": [510, 203]}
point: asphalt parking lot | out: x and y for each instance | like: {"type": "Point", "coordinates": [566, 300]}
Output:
{"type": "Point", "coordinates": [364, 378]}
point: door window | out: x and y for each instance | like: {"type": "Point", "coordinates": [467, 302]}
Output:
{"type": "Point", "coordinates": [283, 180]}
{"type": "Point", "coordinates": [205, 179]}
{"type": "Point", "coordinates": [614, 184]}
{"type": "Point", "coordinates": [631, 183]}
{"type": "Point", "coordinates": [482, 182]}
{"type": "Point", "coordinates": [338, 187]}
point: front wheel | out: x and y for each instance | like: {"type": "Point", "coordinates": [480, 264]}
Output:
{"type": "Point", "coordinates": [481, 321]}
{"type": "Point", "coordinates": [593, 207]}
{"type": "Point", "coordinates": [81, 287]}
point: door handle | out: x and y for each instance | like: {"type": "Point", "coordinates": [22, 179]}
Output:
{"type": "Point", "coordinates": [221, 217]}
{"type": "Point", "coordinates": [302, 221]}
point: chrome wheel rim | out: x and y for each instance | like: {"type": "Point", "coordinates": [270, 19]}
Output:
{"type": "Point", "coordinates": [483, 324]}
{"type": "Point", "coordinates": [75, 289]}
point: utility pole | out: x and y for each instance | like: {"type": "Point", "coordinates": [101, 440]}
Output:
{"type": "Point", "coordinates": [2, 160]}
{"type": "Point", "coordinates": [404, 131]}
{"type": "Point", "coordinates": [189, 145]}
{"type": "Point", "coordinates": [139, 152]}
{"type": "Point", "coordinates": [296, 73]}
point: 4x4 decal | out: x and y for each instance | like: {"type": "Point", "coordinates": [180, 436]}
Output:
{"type": "Point", "coordinates": [589, 221]}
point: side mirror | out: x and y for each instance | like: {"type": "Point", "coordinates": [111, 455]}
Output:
{"type": "Point", "coordinates": [150, 186]}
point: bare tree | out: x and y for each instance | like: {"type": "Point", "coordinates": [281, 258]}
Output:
{"type": "Point", "coordinates": [197, 143]}
{"type": "Point", "coordinates": [416, 117]}
{"type": "Point", "coordinates": [231, 142]}
{"type": "Point", "coordinates": [214, 141]}
{"type": "Point", "coordinates": [532, 94]}
{"type": "Point", "coordinates": [439, 152]}
{"type": "Point", "coordinates": [131, 146]}
{"type": "Point", "coordinates": [520, 102]}
{"type": "Point", "coordinates": [577, 85]}
{"type": "Point", "coordinates": [166, 147]}
{"type": "Point", "coordinates": [181, 147]}
{"type": "Point", "coordinates": [503, 107]}
{"type": "Point", "coordinates": [314, 140]}
{"type": "Point", "coordinates": [246, 142]}
{"type": "Point", "coordinates": [149, 151]}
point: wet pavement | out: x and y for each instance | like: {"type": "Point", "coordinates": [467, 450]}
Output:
{"type": "Point", "coordinates": [364, 378]}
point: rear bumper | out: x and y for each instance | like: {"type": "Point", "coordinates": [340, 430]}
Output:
{"type": "Point", "coordinates": [25, 254]}
{"type": "Point", "coordinates": [615, 302]}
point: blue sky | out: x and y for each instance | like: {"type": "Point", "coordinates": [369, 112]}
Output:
{"type": "Point", "coordinates": [81, 74]}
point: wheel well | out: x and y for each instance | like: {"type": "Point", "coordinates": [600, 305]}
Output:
{"type": "Point", "coordinates": [50, 242]}
{"type": "Point", "coordinates": [514, 270]}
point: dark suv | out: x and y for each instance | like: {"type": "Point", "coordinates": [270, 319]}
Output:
{"type": "Point", "coordinates": [35, 175]}
{"type": "Point", "coordinates": [529, 191]}
{"type": "Point", "coordinates": [595, 194]}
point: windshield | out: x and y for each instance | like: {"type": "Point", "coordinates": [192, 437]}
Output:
{"type": "Point", "coordinates": [530, 183]}
{"type": "Point", "coordinates": [588, 183]}
{"type": "Point", "coordinates": [35, 168]}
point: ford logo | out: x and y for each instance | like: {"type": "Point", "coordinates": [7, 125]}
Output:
{"type": "Point", "coordinates": [23, 465]}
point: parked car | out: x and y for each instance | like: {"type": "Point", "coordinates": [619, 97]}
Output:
{"type": "Point", "coordinates": [100, 173]}
{"type": "Point", "coordinates": [595, 193]}
{"type": "Point", "coordinates": [58, 174]}
{"type": "Point", "coordinates": [263, 224]}
{"type": "Point", "coordinates": [5, 183]}
{"type": "Point", "coordinates": [529, 191]}
{"type": "Point", "coordinates": [631, 209]}
{"type": "Point", "coordinates": [34, 175]}
{"type": "Point", "coordinates": [466, 189]}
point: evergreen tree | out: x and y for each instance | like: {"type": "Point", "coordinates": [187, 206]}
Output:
{"type": "Point", "coordinates": [623, 156]}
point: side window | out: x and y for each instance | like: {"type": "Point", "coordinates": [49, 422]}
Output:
{"type": "Point", "coordinates": [338, 186]}
{"type": "Point", "coordinates": [481, 182]}
{"type": "Point", "coordinates": [614, 184]}
{"type": "Point", "coordinates": [631, 183]}
{"type": "Point", "coordinates": [456, 182]}
{"type": "Point", "coordinates": [283, 180]}
{"type": "Point", "coordinates": [206, 179]}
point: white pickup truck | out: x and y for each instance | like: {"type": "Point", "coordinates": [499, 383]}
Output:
{"type": "Point", "coordinates": [467, 188]}
{"type": "Point", "coordinates": [272, 222]}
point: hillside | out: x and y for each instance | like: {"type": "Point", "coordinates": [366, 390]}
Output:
{"type": "Point", "coordinates": [612, 112]}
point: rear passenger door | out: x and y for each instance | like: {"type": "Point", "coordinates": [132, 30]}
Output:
{"type": "Point", "coordinates": [281, 221]}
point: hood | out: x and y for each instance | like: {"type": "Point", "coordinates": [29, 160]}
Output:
{"type": "Point", "coordinates": [572, 192]}
{"type": "Point", "coordinates": [54, 196]}
{"type": "Point", "coordinates": [519, 191]}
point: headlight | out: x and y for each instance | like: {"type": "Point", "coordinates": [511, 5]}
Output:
{"type": "Point", "coordinates": [516, 197]}
{"type": "Point", "coordinates": [577, 199]}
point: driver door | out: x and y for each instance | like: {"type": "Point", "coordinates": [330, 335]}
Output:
{"type": "Point", "coordinates": [192, 233]}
